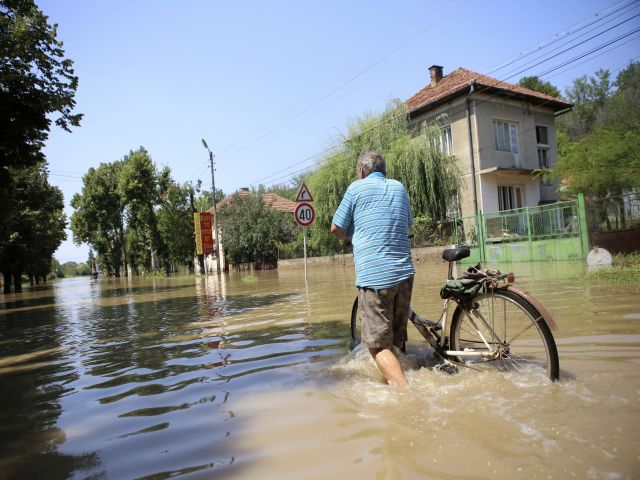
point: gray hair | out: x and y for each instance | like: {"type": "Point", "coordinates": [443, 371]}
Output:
{"type": "Point", "coordinates": [372, 162]}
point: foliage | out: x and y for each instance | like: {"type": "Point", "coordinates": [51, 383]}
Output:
{"type": "Point", "coordinates": [252, 230]}
{"type": "Point", "coordinates": [175, 223]}
{"type": "Point", "coordinates": [37, 86]}
{"type": "Point", "coordinates": [135, 216]}
{"type": "Point", "coordinates": [412, 158]}
{"type": "Point", "coordinates": [604, 162]}
{"type": "Point", "coordinates": [599, 141]}
{"type": "Point", "coordinates": [588, 96]}
{"type": "Point", "coordinates": [36, 222]}
{"type": "Point", "coordinates": [534, 83]}
{"type": "Point", "coordinates": [37, 81]}
{"type": "Point", "coordinates": [625, 268]}
{"type": "Point", "coordinates": [98, 219]}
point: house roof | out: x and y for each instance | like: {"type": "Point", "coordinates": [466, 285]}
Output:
{"type": "Point", "coordinates": [273, 200]}
{"type": "Point", "coordinates": [458, 83]}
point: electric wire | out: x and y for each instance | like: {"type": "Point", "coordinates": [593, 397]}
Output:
{"type": "Point", "coordinates": [307, 159]}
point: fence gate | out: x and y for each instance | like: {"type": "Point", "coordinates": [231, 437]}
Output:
{"type": "Point", "coordinates": [556, 231]}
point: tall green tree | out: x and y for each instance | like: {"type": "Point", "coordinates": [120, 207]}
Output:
{"type": "Point", "coordinates": [412, 156]}
{"type": "Point", "coordinates": [98, 217]}
{"type": "Point", "coordinates": [37, 87]}
{"type": "Point", "coordinates": [175, 224]}
{"type": "Point", "coordinates": [37, 224]}
{"type": "Point", "coordinates": [37, 81]}
{"type": "Point", "coordinates": [535, 83]}
{"type": "Point", "coordinates": [599, 142]}
{"type": "Point", "coordinates": [251, 230]}
{"type": "Point", "coordinates": [140, 186]}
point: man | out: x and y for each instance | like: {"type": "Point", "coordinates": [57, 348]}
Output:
{"type": "Point", "coordinates": [376, 211]}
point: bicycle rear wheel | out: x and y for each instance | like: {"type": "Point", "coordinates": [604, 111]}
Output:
{"type": "Point", "coordinates": [355, 325]}
{"type": "Point", "coordinates": [510, 326]}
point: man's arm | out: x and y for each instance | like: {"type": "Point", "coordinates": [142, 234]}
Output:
{"type": "Point", "coordinates": [341, 235]}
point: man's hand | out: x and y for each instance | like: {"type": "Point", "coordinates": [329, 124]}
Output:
{"type": "Point", "coordinates": [341, 235]}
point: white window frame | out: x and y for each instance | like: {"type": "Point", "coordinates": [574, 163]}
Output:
{"type": "Point", "coordinates": [446, 141]}
{"type": "Point", "coordinates": [544, 152]}
{"type": "Point", "coordinates": [505, 134]}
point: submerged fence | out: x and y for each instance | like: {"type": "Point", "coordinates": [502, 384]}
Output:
{"type": "Point", "coordinates": [556, 231]}
{"type": "Point", "coordinates": [614, 222]}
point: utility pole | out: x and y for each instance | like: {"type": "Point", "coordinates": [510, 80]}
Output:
{"type": "Point", "coordinates": [215, 215]}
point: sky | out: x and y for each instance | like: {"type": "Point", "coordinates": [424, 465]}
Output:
{"type": "Point", "coordinates": [271, 85]}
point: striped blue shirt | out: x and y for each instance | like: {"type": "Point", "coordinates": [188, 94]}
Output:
{"type": "Point", "coordinates": [376, 210]}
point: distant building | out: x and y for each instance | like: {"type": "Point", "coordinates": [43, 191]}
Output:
{"type": "Point", "coordinates": [499, 132]}
{"type": "Point", "coordinates": [272, 200]}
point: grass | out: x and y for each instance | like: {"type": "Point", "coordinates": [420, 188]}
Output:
{"type": "Point", "coordinates": [625, 269]}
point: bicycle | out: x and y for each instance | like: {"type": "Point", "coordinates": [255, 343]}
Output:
{"type": "Point", "coordinates": [493, 323]}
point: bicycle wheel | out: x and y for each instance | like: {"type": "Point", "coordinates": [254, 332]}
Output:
{"type": "Point", "coordinates": [512, 327]}
{"type": "Point", "coordinates": [355, 325]}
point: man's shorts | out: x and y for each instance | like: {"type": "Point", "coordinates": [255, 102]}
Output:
{"type": "Point", "coordinates": [384, 314]}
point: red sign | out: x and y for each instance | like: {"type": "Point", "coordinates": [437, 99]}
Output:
{"type": "Point", "coordinates": [305, 215]}
{"type": "Point", "coordinates": [206, 232]}
{"type": "Point", "coordinates": [304, 195]}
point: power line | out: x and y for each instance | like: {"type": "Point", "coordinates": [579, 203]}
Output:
{"type": "Point", "coordinates": [343, 84]}
{"type": "Point", "coordinates": [599, 47]}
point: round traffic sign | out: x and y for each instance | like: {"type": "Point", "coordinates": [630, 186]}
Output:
{"type": "Point", "coordinates": [305, 215]}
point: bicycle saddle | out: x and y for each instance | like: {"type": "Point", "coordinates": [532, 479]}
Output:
{"type": "Point", "coordinates": [455, 254]}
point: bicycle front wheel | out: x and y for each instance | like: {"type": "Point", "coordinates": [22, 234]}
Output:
{"type": "Point", "coordinates": [504, 330]}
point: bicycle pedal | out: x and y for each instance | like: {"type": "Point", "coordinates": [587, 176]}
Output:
{"type": "Point", "coordinates": [430, 324]}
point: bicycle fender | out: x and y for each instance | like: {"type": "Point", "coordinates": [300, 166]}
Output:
{"type": "Point", "coordinates": [546, 316]}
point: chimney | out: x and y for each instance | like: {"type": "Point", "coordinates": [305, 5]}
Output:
{"type": "Point", "coordinates": [435, 71]}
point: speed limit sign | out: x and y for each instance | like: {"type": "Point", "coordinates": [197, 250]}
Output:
{"type": "Point", "coordinates": [305, 215]}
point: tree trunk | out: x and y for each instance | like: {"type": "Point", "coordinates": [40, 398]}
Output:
{"type": "Point", "coordinates": [7, 282]}
{"type": "Point", "coordinates": [17, 282]}
{"type": "Point", "coordinates": [32, 281]}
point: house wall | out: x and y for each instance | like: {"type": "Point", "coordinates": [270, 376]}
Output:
{"type": "Point", "coordinates": [484, 109]}
{"type": "Point", "coordinates": [457, 116]}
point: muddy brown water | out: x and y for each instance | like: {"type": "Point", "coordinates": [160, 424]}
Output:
{"type": "Point", "coordinates": [251, 377]}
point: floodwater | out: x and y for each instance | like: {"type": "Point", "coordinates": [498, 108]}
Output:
{"type": "Point", "coordinates": [251, 377]}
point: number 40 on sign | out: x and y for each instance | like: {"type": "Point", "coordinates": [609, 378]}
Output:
{"type": "Point", "coordinates": [305, 215]}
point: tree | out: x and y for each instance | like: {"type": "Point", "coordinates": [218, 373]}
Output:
{"type": "Point", "coordinates": [603, 163]}
{"type": "Point", "coordinates": [412, 157]}
{"type": "Point", "coordinates": [37, 224]}
{"type": "Point", "coordinates": [251, 230]}
{"type": "Point", "coordinates": [98, 219]}
{"type": "Point", "coordinates": [140, 187]}
{"type": "Point", "coordinates": [175, 224]}
{"type": "Point", "coordinates": [534, 83]}
{"type": "Point", "coordinates": [37, 81]}
{"type": "Point", "coordinates": [588, 96]}
{"type": "Point", "coordinates": [599, 142]}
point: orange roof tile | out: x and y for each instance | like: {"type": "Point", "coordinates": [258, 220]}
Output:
{"type": "Point", "coordinates": [457, 83]}
{"type": "Point", "coordinates": [273, 200]}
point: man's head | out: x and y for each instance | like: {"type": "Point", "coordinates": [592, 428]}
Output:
{"type": "Point", "coordinates": [370, 162]}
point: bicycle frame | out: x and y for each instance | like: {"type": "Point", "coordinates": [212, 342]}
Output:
{"type": "Point", "coordinates": [439, 342]}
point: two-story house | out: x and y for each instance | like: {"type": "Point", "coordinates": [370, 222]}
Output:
{"type": "Point", "coordinates": [499, 132]}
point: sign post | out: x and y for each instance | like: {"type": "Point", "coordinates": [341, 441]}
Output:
{"type": "Point", "coordinates": [304, 215]}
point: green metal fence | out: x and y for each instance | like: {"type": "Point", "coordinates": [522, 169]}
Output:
{"type": "Point", "coordinates": [548, 232]}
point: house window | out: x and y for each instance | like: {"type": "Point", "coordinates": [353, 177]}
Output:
{"type": "Point", "coordinates": [509, 197]}
{"type": "Point", "coordinates": [445, 143]}
{"type": "Point", "coordinates": [506, 136]}
{"type": "Point", "coordinates": [542, 139]}
{"type": "Point", "coordinates": [541, 135]}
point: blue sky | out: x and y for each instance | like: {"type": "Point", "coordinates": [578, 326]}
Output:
{"type": "Point", "coordinates": [270, 84]}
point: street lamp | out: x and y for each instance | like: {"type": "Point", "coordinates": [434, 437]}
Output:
{"type": "Point", "coordinates": [215, 215]}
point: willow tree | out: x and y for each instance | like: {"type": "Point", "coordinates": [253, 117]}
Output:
{"type": "Point", "coordinates": [412, 156]}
